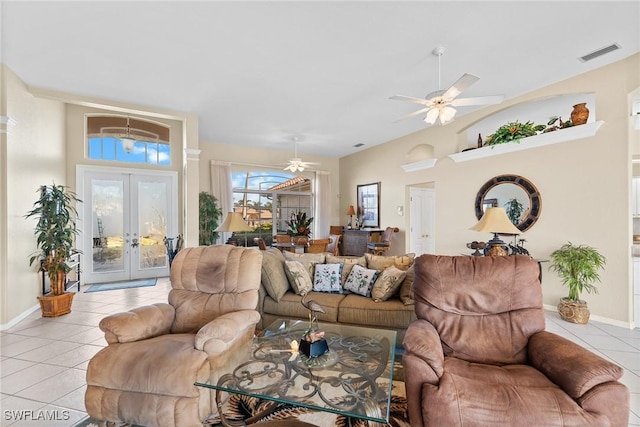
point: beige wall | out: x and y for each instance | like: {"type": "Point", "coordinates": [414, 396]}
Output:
{"type": "Point", "coordinates": [585, 185]}
{"type": "Point", "coordinates": [45, 146]}
{"type": "Point", "coordinates": [34, 157]}
{"type": "Point", "coordinates": [267, 157]}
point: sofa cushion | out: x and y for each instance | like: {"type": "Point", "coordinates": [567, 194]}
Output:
{"type": "Point", "coordinates": [387, 283]}
{"type": "Point", "coordinates": [298, 276]}
{"type": "Point", "coordinates": [359, 310]}
{"type": "Point", "coordinates": [348, 261]}
{"type": "Point", "coordinates": [406, 288]}
{"type": "Point", "coordinates": [361, 280]}
{"type": "Point", "coordinates": [274, 278]}
{"type": "Point", "coordinates": [327, 278]}
{"type": "Point", "coordinates": [290, 306]}
{"type": "Point", "coordinates": [380, 262]}
{"type": "Point", "coordinates": [308, 260]}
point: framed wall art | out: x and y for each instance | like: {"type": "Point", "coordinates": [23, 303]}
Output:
{"type": "Point", "coordinates": [369, 205]}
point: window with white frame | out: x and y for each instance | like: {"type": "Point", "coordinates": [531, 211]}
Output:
{"type": "Point", "coordinates": [127, 139]}
{"type": "Point", "coordinates": [267, 199]}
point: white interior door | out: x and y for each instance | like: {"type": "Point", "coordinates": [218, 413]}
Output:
{"type": "Point", "coordinates": [127, 215]}
{"type": "Point", "coordinates": [422, 219]}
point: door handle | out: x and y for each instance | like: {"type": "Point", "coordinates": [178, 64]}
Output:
{"type": "Point", "coordinates": [425, 235]}
{"type": "Point", "coordinates": [134, 243]}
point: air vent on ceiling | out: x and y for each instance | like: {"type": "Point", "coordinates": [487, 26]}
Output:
{"type": "Point", "coordinates": [358, 145]}
{"type": "Point", "coordinates": [599, 52]}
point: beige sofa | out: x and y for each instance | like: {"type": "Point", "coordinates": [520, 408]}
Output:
{"type": "Point", "coordinates": [389, 307]}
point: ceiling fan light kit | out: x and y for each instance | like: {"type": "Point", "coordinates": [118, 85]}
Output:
{"type": "Point", "coordinates": [295, 163]}
{"type": "Point", "coordinates": [439, 105]}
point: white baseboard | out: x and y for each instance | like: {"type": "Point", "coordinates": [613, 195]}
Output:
{"type": "Point", "coordinates": [18, 319]}
{"type": "Point", "coordinates": [601, 319]}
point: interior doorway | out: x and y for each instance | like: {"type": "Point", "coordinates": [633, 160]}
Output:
{"type": "Point", "coordinates": [126, 214]}
{"type": "Point", "coordinates": [422, 220]}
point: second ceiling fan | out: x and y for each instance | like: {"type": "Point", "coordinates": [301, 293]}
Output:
{"type": "Point", "coordinates": [439, 105]}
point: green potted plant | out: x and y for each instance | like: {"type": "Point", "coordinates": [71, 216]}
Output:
{"type": "Point", "coordinates": [513, 132]}
{"type": "Point", "coordinates": [514, 210]}
{"type": "Point", "coordinates": [577, 266]}
{"type": "Point", "coordinates": [299, 227]}
{"type": "Point", "coordinates": [55, 231]}
{"type": "Point", "coordinates": [209, 216]}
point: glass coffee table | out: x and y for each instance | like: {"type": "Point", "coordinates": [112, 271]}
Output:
{"type": "Point", "coordinates": [354, 378]}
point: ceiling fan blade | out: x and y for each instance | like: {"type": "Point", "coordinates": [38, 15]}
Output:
{"type": "Point", "coordinates": [415, 113]}
{"type": "Point", "coordinates": [420, 101]}
{"type": "Point", "coordinates": [480, 100]}
{"type": "Point", "coordinates": [459, 86]}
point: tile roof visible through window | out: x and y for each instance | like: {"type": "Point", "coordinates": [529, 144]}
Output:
{"type": "Point", "coordinates": [300, 182]}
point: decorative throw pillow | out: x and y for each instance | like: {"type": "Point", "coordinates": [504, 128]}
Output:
{"type": "Point", "coordinates": [387, 283]}
{"type": "Point", "coordinates": [380, 262]}
{"type": "Point", "coordinates": [308, 260]}
{"type": "Point", "coordinates": [348, 261]}
{"type": "Point", "coordinates": [298, 276]}
{"type": "Point", "coordinates": [273, 277]}
{"type": "Point", "coordinates": [406, 288]}
{"type": "Point", "coordinates": [361, 280]}
{"type": "Point", "coordinates": [327, 278]}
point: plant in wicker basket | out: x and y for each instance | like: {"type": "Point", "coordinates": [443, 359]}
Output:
{"type": "Point", "coordinates": [577, 266]}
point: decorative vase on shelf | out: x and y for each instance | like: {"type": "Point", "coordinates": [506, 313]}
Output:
{"type": "Point", "coordinates": [580, 114]}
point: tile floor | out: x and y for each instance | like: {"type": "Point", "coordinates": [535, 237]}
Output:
{"type": "Point", "coordinates": [43, 361]}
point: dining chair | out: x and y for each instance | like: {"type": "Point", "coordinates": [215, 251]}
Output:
{"type": "Point", "coordinates": [381, 247]}
{"type": "Point", "coordinates": [317, 246]}
{"type": "Point", "coordinates": [334, 247]}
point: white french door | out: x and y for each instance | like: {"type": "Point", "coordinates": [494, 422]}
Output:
{"type": "Point", "coordinates": [126, 214]}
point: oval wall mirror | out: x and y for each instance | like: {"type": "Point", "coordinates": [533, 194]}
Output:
{"type": "Point", "coordinates": [511, 191]}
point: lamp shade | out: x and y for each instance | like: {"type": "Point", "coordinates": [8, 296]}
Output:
{"type": "Point", "coordinates": [234, 222]}
{"type": "Point", "coordinates": [495, 220]}
{"type": "Point", "coordinates": [351, 210]}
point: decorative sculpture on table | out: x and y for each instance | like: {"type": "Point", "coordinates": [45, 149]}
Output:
{"type": "Point", "coordinates": [313, 343]}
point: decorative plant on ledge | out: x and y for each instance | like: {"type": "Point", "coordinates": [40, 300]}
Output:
{"type": "Point", "coordinates": [552, 126]}
{"type": "Point", "coordinates": [513, 132]}
{"type": "Point", "coordinates": [299, 224]}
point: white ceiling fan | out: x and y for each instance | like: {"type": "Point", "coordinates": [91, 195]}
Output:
{"type": "Point", "coordinates": [296, 164]}
{"type": "Point", "coordinates": [439, 105]}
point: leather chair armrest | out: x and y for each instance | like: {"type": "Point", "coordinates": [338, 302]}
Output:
{"type": "Point", "coordinates": [573, 368]}
{"type": "Point", "coordinates": [422, 341]}
{"type": "Point", "coordinates": [227, 328]}
{"type": "Point", "coordinates": [138, 324]}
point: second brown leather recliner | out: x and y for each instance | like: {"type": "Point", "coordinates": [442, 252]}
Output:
{"type": "Point", "coordinates": [479, 355]}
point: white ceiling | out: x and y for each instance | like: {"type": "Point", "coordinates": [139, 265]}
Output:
{"type": "Point", "coordinates": [259, 73]}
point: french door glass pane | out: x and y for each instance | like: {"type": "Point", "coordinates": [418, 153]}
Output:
{"type": "Point", "coordinates": [152, 224]}
{"type": "Point", "coordinates": [107, 225]}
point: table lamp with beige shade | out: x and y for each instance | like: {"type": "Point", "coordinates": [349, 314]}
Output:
{"type": "Point", "coordinates": [496, 221]}
{"type": "Point", "coordinates": [351, 212]}
{"type": "Point", "coordinates": [234, 222]}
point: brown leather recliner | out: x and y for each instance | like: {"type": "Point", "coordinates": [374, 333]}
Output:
{"type": "Point", "coordinates": [146, 374]}
{"type": "Point", "coordinates": [479, 355]}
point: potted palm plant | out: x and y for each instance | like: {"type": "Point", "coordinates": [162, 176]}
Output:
{"type": "Point", "coordinates": [55, 233]}
{"type": "Point", "coordinates": [209, 216]}
{"type": "Point", "coordinates": [577, 266]}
